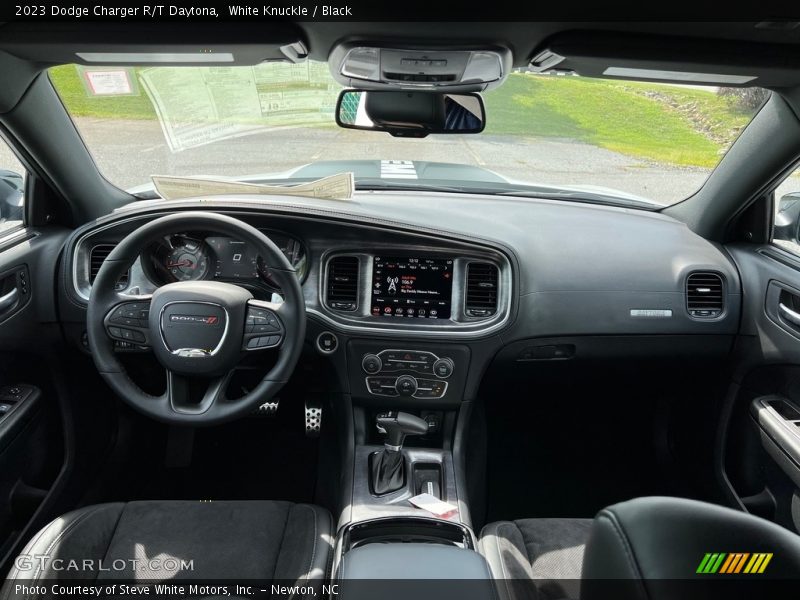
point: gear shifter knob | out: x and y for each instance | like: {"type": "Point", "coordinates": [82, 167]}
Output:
{"type": "Point", "coordinates": [398, 425]}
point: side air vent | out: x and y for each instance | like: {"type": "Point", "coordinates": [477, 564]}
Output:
{"type": "Point", "coordinates": [96, 258]}
{"type": "Point", "coordinates": [704, 295]}
{"type": "Point", "coordinates": [342, 286]}
{"type": "Point", "coordinates": [481, 297]}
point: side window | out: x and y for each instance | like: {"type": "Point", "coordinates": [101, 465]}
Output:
{"type": "Point", "coordinates": [786, 230]}
{"type": "Point", "coordinates": [12, 189]}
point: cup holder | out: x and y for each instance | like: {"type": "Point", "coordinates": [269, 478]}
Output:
{"type": "Point", "coordinates": [407, 530]}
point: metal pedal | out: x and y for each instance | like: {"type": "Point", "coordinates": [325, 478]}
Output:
{"type": "Point", "coordinates": [268, 409]}
{"type": "Point", "coordinates": [313, 418]}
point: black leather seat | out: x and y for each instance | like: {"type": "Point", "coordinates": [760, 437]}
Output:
{"type": "Point", "coordinates": [182, 540]}
{"type": "Point", "coordinates": [647, 548]}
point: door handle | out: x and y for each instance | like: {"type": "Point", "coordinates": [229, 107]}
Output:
{"type": "Point", "coordinates": [9, 300]}
{"type": "Point", "coordinates": [790, 315]}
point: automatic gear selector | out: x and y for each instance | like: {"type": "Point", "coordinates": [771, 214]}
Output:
{"type": "Point", "coordinates": [386, 467]}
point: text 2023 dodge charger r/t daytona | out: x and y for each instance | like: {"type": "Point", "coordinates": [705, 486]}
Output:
{"type": "Point", "coordinates": [325, 309]}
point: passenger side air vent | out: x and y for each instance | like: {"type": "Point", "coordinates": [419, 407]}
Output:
{"type": "Point", "coordinates": [481, 297]}
{"type": "Point", "coordinates": [342, 286]}
{"type": "Point", "coordinates": [97, 256]}
{"type": "Point", "coordinates": [704, 295]}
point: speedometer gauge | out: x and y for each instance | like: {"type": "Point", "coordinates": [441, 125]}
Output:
{"type": "Point", "coordinates": [188, 261]}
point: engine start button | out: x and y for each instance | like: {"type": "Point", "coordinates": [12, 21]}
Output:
{"type": "Point", "coordinates": [327, 342]}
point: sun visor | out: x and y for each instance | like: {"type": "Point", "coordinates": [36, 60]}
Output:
{"type": "Point", "coordinates": [669, 60]}
{"type": "Point", "coordinates": [184, 44]}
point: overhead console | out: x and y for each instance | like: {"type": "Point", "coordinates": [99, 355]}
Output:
{"type": "Point", "coordinates": [433, 291]}
{"type": "Point", "coordinates": [375, 66]}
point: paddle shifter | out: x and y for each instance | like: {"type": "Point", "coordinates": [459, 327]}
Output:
{"type": "Point", "coordinates": [386, 467]}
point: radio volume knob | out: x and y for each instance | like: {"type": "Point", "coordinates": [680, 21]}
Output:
{"type": "Point", "coordinates": [371, 363]}
{"type": "Point", "coordinates": [406, 385]}
{"type": "Point", "coordinates": [443, 368]}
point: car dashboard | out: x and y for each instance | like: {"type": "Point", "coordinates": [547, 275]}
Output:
{"type": "Point", "coordinates": [395, 282]}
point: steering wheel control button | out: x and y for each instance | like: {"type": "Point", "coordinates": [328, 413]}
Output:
{"type": "Point", "coordinates": [371, 363]}
{"type": "Point", "coordinates": [265, 341]}
{"type": "Point", "coordinates": [443, 368]}
{"type": "Point", "coordinates": [327, 342]}
{"type": "Point", "coordinates": [406, 385]}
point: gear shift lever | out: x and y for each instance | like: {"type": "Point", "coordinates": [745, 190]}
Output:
{"type": "Point", "coordinates": [387, 467]}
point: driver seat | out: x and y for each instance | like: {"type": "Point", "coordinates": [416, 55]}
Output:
{"type": "Point", "coordinates": [170, 541]}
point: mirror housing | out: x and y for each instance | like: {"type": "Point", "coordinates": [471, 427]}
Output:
{"type": "Point", "coordinates": [12, 195]}
{"type": "Point", "coordinates": [787, 219]}
{"type": "Point", "coordinates": [410, 113]}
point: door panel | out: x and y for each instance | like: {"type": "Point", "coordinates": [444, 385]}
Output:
{"type": "Point", "coordinates": [32, 441]}
{"type": "Point", "coordinates": [760, 438]}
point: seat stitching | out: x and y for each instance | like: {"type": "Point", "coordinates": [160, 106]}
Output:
{"type": "Point", "coordinates": [616, 527]}
{"type": "Point", "coordinates": [113, 533]}
{"type": "Point", "coordinates": [280, 546]}
{"type": "Point", "coordinates": [314, 548]}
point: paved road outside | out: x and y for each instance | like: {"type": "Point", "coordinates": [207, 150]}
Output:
{"type": "Point", "coordinates": [128, 152]}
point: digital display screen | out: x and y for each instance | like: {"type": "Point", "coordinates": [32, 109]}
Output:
{"type": "Point", "coordinates": [233, 259]}
{"type": "Point", "coordinates": [412, 287]}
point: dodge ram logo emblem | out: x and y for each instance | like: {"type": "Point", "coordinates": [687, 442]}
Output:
{"type": "Point", "coordinates": [201, 319]}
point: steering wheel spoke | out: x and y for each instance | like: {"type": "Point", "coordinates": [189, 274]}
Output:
{"type": "Point", "coordinates": [129, 320]}
{"type": "Point", "coordinates": [182, 395]}
{"type": "Point", "coordinates": [264, 327]}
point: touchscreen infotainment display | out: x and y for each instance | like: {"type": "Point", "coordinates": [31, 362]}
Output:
{"type": "Point", "coordinates": [412, 287]}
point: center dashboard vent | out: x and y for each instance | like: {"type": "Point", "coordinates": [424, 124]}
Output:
{"type": "Point", "coordinates": [704, 295]}
{"type": "Point", "coordinates": [341, 290]}
{"type": "Point", "coordinates": [97, 257]}
{"type": "Point", "coordinates": [481, 296]}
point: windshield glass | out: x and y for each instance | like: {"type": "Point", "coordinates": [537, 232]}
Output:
{"type": "Point", "coordinates": [545, 134]}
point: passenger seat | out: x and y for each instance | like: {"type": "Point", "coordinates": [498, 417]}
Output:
{"type": "Point", "coordinates": [546, 552]}
{"type": "Point", "coordinates": [647, 548]}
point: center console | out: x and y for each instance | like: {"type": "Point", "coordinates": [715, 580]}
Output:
{"type": "Point", "coordinates": [410, 558]}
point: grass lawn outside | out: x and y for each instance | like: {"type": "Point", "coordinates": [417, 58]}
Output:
{"type": "Point", "coordinates": [660, 123]}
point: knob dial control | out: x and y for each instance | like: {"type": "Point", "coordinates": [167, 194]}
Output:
{"type": "Point", "coordinates": [443, 368]}
{"type": "Point", "coordinates": [406, 385]}
{"type": "Point", "coordinates": [371, 363]}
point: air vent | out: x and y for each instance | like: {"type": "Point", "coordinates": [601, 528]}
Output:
{"type": "Point", "coordinates": [704, 295]}
{"type": "Point", "coordinates": [97, 256]}
{"type": "Point", "coordinates": [342, 285]}
{"type": "Point", "coordinates": [481, 299]}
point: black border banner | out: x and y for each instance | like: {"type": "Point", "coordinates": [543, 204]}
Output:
{"type": "Point", "coordinates": [407, 10]}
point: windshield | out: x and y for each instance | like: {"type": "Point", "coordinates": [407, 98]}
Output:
{"type": "Point", "coordinates": [646, 142]}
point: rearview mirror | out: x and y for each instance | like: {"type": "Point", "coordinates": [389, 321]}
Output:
{"type": "Point", "coordinates": [410, 114]}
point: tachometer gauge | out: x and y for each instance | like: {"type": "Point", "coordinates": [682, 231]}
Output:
{"type": "Point", "coordinates": [187, 261]}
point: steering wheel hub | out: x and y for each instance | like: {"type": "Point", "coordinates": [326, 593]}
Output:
{"type": "Point", "coordinates": [200, 325]}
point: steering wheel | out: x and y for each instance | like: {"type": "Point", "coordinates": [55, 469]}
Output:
{"type": "Point", "coordinates": [197, 329]}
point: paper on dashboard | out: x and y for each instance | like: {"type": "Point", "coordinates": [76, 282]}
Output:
{"type": "Point", "coordinates": [333, 187]}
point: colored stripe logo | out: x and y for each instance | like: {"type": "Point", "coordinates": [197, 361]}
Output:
{"type": "Point", "coordinates": [734, 562]}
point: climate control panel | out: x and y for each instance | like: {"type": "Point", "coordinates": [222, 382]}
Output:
{"type": "Point", "coordinates": [407, 373]}
{"type": "Point", "coordinates": [410, 374]}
